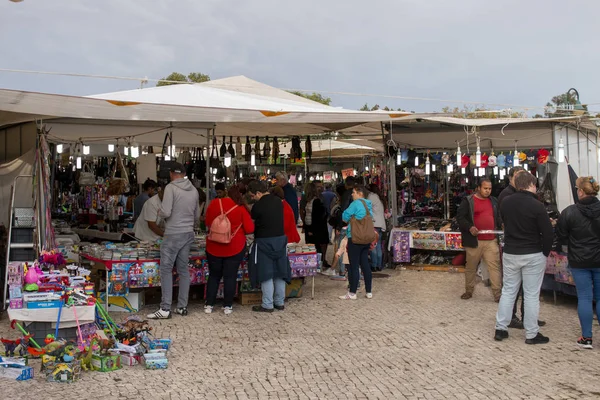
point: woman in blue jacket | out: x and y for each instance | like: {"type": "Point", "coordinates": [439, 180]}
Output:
{"type": "Point", "coordinates": [358, 254]}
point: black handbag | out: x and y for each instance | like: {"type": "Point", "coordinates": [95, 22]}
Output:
{"type": "Point", "coordinates": [214, 155]}
{"type": "Point", "coordinates": [223, 148]}
{"type": "Point", "coordinates": [230, 149]}
{"type": "Point", "coordinates": [248, 150]}
{"type": "Point", "coordinates": [164, 166]}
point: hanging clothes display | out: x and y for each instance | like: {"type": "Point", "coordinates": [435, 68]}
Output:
{"type": "Point", "coordinates": [257, 149]}
{"type": "Point", "coordinates": [223, 148]}
{"type": "Point", "coordinates": [230, 149]}
{"type": "Point", "coordinates": [308, 146]}
{"type": "Point", "coordinates": [238, 148]}
{"type": "Point", "coordinates": [266, 149]}
{"type": "Point", "coordinates": [275, 150]}
{"type": "Point", "coordinates": [248, 150]}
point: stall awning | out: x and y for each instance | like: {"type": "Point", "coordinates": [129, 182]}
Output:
{"type": "Point", "coordinates": [237, 106]}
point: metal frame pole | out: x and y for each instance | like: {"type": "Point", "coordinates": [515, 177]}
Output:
{"type": "Point", "coordinates": [208, 141]}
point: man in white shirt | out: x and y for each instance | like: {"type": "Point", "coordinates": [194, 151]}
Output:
{"type": "Point", "coordinates": [149, 227]}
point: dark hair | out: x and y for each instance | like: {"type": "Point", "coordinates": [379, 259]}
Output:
{"type": "Point", "coordinates": [340, 189]}
{"type": "Point", "coordinates": [363, 190]}
{"type": "Point", "coordinates": [350, 181]}
{"type": "Point", "coordinates": [234, 194]}
{"type": "Point", "coordinates": [523, 180]}
{"type": "Point", "coordinates": [514, 170]}
{"type": "Point", "coordinates": [278, 191]}
{"type": "Point", "coordinates": [482, 181]}
{"type": "Point", "coordinates": [311, 191]}
{"type": "Point", "coordinates": [149, 184]}
{"type": "Point", "coordinates": [257, 187]}
{"type": "Point", "coordinates": [220, 186]}
{"type": "Point", "coordinates": [373, 188]}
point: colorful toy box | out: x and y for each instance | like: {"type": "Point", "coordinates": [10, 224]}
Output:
{"type": "Point", "coordinates": [106, 363]}
{"type": "Point", "coordinates": [155, 360]}
{"type": "Point", "coordinates": [62, 372]}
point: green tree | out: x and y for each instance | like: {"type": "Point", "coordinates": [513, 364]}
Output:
{"type": "Point", "coordinates": [192, 77]}
{"type": "Point", "coordinates": [318, 97]}
{"type": "Point", "coordinates": [479, 112]}
{"type": "Point", "coordinates": [565, 105]}
{"type": "Point", "coordinates": [377, 107]}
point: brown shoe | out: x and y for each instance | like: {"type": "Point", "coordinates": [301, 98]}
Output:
{"type": "Point", "coordinates": [466, 296]}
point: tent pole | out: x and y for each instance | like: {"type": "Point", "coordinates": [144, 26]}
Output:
{"type": "Point", "coordinates": [392, 168]}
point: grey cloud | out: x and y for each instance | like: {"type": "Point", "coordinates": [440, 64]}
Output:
{"type": "Point", "coordinates": [517, 52]}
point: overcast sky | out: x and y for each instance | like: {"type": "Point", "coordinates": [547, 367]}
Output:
{"type": "Point", "coordinates": [514, 52]}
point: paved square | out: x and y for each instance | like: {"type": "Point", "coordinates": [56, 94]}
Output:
{"type": "Point", "coordinates": [416, 339]}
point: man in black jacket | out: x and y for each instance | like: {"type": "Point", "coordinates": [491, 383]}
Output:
{"type": "Point", "coordinates": [528, 237]}
{"type": "Point", "coordinates": [479, 212]}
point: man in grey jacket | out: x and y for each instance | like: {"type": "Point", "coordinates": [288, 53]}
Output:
{"type": "Point", "coordinates": [180, 209]}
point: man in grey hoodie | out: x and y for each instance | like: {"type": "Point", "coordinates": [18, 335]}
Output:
{"type": "Point", "coordinates": [180, 209]}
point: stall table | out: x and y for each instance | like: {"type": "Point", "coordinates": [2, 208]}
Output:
{"type": "Point", "coordinates": [145, 273]}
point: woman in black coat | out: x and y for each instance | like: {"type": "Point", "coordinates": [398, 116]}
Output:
{"type": "Point", "coordinates": [579, 227]}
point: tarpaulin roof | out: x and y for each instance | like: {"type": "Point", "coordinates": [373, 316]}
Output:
{"type": "Point", "coordinates": [238, 106]}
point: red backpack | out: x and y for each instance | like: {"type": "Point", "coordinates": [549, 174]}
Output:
{"type": "Point", "coordinates": [220, 229]}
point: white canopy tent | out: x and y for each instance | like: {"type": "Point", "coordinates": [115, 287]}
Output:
{"type": "Point", "coordinates": [234, 106]}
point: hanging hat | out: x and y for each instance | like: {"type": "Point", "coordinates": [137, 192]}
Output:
{"type": "Point", "coordinates": [509, 159]}
{"type": "Point", "coordinates": [542, 156]}
{"type": "Point", "coordinates": [522, 156]}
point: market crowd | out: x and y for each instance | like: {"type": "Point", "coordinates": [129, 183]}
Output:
{"type": "Point", "coordinates": [270, 214]}
{"type": "Point", "coordinates": [529, 237]}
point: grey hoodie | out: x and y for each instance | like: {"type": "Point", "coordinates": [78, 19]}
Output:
{"type": "Point", "coordinates": [180, 207]}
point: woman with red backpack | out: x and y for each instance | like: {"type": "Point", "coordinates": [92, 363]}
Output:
{"type": "Point", "coordinates": [228, 222]}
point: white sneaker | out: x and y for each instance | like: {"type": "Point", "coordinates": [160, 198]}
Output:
{"type": "Point", "coordinates": [369, 295]}
{"type": "Point", "coordinates": [160, 314]}
{"type": "Point", "coordinates": [208, 309]}
{"type": "Point", "coordinates": [330, 272]}
{"type": "Point", "coordinates": [348, 296]}
{"type": "Point", "coordinates": [227, 310]}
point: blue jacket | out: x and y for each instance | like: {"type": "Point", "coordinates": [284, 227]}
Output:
{"type": "Point", "coordinates": [356, 209]}
{"type": "Point", "coordinates": [292, 198]}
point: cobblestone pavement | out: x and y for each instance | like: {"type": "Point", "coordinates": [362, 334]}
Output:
{"type": "Point", "coordinates": [414, 340]}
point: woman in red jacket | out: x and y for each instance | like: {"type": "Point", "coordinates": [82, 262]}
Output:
{"type": "Point", "coordinates": [289, 221]}
{"type": "Point", "coordinates": [224, 259]}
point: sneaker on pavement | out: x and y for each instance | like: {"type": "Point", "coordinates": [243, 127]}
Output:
{"type": "Point", "coordinates": [208, 309]}
{"type": "Point", "coordinates": [539, 339]}
{"type": "Point", "coordinates": [181, 311]}
{"type": "Point", "coordinates": [329, 272]}
{"type": "Point", "coordinates": [516, 323]}
{"type": "Point", "coordinates": [585, 343]}
{"type": "Point", "coordinates": [160, 314]}
{"type": "Point", "coordinates": [348, 296]}
{"type": "Point", "coordinates": [227, 310]}
{"type": "Point", "coordinates": [369, 295]}
{"type": "Point", "coordinates": [261, 309]}
{"type": "Point", "coordinates": [500, 335]}
{"type": "Point", "coordinates": [541, 323]}
{"type": "Point", "coordinates": [280, 308]}
{"type": "Point", "coordinates": [466, 296]}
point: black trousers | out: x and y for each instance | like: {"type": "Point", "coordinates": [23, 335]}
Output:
{"type": "Point", "coordinates": [358, 255]}
{"type": "Point", "coordinates": [226, 268]}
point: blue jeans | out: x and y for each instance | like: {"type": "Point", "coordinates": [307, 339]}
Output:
{"type": "Point", "coordinates": [377, 253]}
{"type": "Point", "coordinates": [528, 269]}
{"type": "Point", "coordinates": [175, 252]}
{"type": "Point", "coordinates": [273, 292]}
{"type": "Point", "coordinates": [587, 282]}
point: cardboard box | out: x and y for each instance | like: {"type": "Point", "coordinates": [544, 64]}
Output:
{"type": "Point", "coordinates": [133, 302]}
{"type": "Point", "coordinates": [106, 363]}
{"type": "Point", "coordinates": [249, 298]}
{"type": "Point", "coordinates": [129, 359]}
{"type": "Point", "coordinates": [20, 373]}
{"type": "Point", "coordinates": [293, 290]}
{"type": "Point", "coordinates": [160, 344]}
{"type": "Point", "coordinates": [44, 304]}
{"type": "Point", "coordinates": [63, 372]}
{"type": "Point", "coordinates": [155, 361]}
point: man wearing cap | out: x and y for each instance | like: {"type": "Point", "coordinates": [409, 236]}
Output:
{"type": "Point", "coordinates": [180, 209]}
